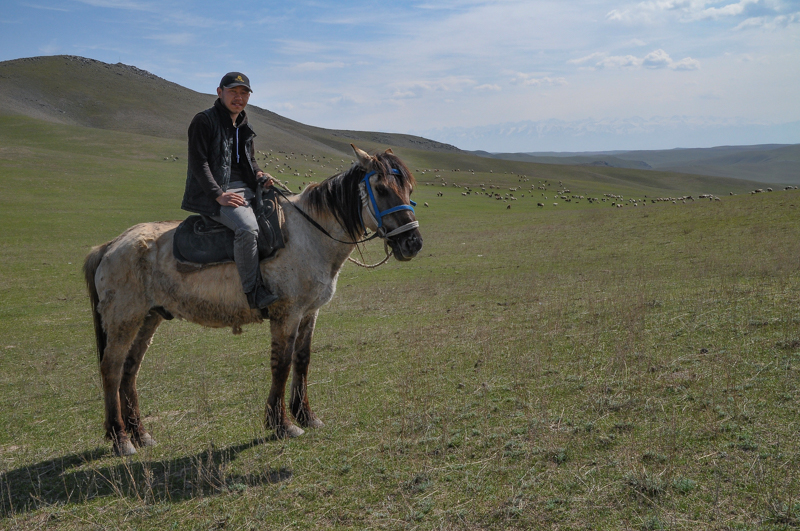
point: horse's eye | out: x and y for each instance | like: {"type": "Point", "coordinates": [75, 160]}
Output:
{"type": "Point", "coordinates": [382, 190]}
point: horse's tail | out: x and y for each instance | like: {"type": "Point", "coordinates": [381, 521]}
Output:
{"type": "Point", "coordinates": [90, 266]}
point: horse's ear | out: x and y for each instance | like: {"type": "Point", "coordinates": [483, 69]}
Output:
{"type": "Point", "coordinates": [363, 157]}
{"type": "Point", "coordinates": [389, 151]}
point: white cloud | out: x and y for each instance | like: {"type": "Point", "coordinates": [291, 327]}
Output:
{"type": "Point", "coordinates": [654, 60]}
{"type": "Point", "coordinates": [687, 63]}
{"type": "Point", "coordinates": [769, 23]}
{"type": "Point", "coordinates": [729, 10]}
{"type": "Point", "coordinates": [620, 61]}
{"type": "Point", "coordinates": [586, 59]}
{"type": "Point", "coordinates": [445, 84]}
{"type": "Point", "coordinates": [691, 10]}
{"type": "Point", "coordinates": [648, 12]}
{"type": "Point", "coordinates": [343, 100]}
{"type": "Point", "coordinates": [529, 80]}
{"type": "Point", "coordinates": [403, 94]}
{"type": "Point", "coordinates": [119, 4]}
{"type": "Point", "coordinates": [488, 87]}
{"type": "Point", "coordinates": [657, 59]}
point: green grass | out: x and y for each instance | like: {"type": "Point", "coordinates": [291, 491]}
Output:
{"type": "Point", "coordinates": [571, 367]}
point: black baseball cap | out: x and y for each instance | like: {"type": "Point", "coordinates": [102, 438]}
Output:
{"type": "Point", "coordinates": [235, 79]}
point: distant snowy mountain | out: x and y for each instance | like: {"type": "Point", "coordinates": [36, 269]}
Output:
{"type": "Point", "coordinates": [615, 134]}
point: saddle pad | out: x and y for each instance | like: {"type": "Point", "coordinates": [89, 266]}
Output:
{"type": "Point", "coordinates": [199, 240]}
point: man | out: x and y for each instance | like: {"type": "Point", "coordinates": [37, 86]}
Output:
{"type": "Point", "coordinates": [222, 178]}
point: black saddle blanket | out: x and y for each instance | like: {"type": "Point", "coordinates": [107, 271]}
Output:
{"type": "Point", "coordinates": [201, 240]}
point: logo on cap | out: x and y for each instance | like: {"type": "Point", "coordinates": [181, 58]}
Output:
{"type": "Point", "coordinates": [239, 78]}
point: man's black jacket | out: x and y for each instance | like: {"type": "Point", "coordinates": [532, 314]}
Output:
{"type": "Point", "coordinates": [213, 142]}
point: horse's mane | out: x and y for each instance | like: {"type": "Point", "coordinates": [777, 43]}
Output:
{"type": "Point", "coordinates": [339, 194]}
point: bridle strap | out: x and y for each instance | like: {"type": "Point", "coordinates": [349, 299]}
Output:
{"type": "Point", "coordinates": [411, 225]}
{"type": "Point", "coordinates": [377, 215]}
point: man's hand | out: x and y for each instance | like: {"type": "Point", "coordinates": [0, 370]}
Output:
{"type": "Point", "coordinates": [270, 179]}
{"type": "Point", "coordinates": [230, 199]}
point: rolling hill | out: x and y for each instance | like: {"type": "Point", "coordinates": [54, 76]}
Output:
{"type": "Point", "coordinates": [74, 90]}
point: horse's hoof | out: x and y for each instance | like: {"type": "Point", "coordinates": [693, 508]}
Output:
{"type": "Point", "coordinates": [314, 422]}
{"type": "Point", "coordinates": [124, 448]}
{"type": "Point", "coordinates": [145, 440]}
{"type": "Point", "coordinates": [290, 432]}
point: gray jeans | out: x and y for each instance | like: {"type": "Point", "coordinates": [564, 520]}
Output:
{"type": "Point", "coordinates": [243, 222]}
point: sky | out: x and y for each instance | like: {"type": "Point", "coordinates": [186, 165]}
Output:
{"type": "Point", "coordinates": [497, 75]}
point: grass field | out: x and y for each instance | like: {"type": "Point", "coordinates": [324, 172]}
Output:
{"type": "Point", "coordinates": [571, 367]}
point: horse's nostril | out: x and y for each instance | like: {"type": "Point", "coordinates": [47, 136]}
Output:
{"type": "Point", "coordinates": [412, 245]}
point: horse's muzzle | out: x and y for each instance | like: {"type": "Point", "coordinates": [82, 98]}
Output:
{"type": "Point", "coordinates": [406, 245]}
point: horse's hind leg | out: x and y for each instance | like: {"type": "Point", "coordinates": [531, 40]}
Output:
{"type": "Point", "coordinates": [128, 396]}
{"type": "Point", "coordinates": [112, 364]}
{"type": "Point", "coordinates": [302, 357]}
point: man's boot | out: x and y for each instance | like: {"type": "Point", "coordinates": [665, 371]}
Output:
{"type": "Point", "coordinates": [260, 298]}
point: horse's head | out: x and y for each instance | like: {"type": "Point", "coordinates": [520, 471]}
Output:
{"type": "Point", "coordinates": [386, 202]}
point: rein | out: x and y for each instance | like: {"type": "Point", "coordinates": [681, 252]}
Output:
{"type": "Point", "coordinates": [320, 227]}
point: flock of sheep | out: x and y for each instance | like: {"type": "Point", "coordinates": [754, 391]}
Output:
{"type": "Point", "coordinates": [561, 193]}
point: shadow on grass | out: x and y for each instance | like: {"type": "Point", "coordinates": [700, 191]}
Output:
{"type": "Point", "coordinates": [78, 478]}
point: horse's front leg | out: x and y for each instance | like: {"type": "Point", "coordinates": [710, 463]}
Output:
{"type": "Point", "coordinates": [302, 356]}
{"type": "Point", "coordinates": [284, 337]}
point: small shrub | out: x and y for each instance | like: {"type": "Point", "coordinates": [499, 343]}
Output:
{"type": "Point", "coordinates": [558, 455]}
{"type": "Point", "coordinates": [653, 523]}
{"type": "Point", "coordinates": [644, 482]}
{"type": "Point", "coordinates": [683, 485]}
{"type": "Point", "coordinates": [653, 457]}
{"type": "Point", "coordinates": [418, 483]}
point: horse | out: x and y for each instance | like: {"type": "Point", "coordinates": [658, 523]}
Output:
{"type": "Point", "coordinates": [134, 284]}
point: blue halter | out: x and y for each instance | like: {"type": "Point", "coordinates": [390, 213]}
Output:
{"type": "Point", "coordinates": [377, 212]}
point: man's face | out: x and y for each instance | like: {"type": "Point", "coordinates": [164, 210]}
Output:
{"type": "Point", "coordinates": [234, 99]}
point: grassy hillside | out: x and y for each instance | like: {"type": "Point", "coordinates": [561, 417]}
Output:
{"type": "Point", "coordinates": [79, 91]}
{"type": "Point", "coordinates": [781, 164]}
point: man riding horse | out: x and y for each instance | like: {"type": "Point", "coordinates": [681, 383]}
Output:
{"type": "Point", "coordinates": [223, 175]}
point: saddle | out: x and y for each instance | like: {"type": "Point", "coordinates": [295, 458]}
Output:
{"type": "Point", "coordinates": [200, 241]}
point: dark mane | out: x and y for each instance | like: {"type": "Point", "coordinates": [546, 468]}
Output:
{"type": "Point", "coordinates": [339, 194]}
